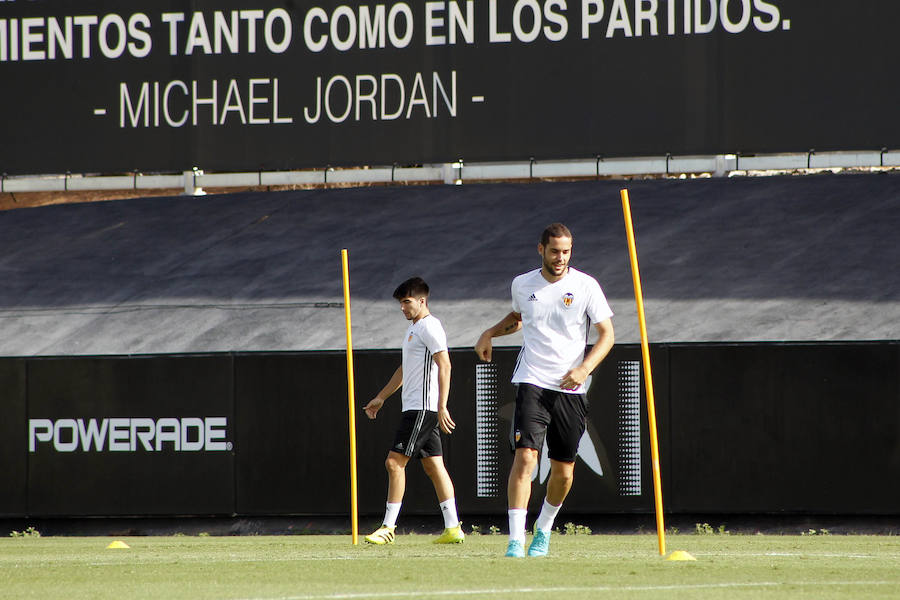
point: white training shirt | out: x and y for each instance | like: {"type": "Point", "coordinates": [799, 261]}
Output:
{"type": "Point", "coordinates": [554, 325]}
{"type": "Point", "coordinates": [423, 340]}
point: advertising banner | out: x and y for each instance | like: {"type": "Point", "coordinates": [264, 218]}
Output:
{"type": "Point", "coordinates": [241, 85]}
{"type": "Point", "coordinates": [743, 429]}
{"type": "Point", "coordinates": [612, 467]}
{"type": "Point", "coordinates": [130, 436]}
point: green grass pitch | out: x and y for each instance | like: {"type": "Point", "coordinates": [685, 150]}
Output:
{"type": "Point", "coordinates": [329, 567]}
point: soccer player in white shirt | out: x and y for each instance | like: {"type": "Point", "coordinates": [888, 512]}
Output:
{"type": "Point", "coordinates": [424, 375]}
{"type": "Point", "coordinates": [552, 306]}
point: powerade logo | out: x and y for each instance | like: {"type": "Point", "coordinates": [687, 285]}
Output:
{"type": "Point", "coordinates": [186, 434]}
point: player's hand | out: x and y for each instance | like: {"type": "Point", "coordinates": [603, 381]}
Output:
{"type": "Point", "coordinates": [373, 406]}
{"type": "Point", "coordinates": [574, 378]}
{"type": "Point", "coordinates": [444, 420]}
{"type": "Point", "coordinates": [484, 347]}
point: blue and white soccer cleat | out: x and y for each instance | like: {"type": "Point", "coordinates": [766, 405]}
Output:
{"type": "Point", "coordinates": [515, 549]}
{"type": "Point", "coordinates": [540, 544]}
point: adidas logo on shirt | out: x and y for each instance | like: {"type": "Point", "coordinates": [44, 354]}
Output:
{"type": "Point", "coordinates": [533, 298]}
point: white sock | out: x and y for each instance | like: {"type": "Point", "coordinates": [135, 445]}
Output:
{"type": "Point", "coordinates": [391, 512]}
{"type": "Point", "coordinates": [517, 524]}
{"type": "Point", "coordinates": [545, 519]}
{"type": "Point", "coordinates": [448, 509]}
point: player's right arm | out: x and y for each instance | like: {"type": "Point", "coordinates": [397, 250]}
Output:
{"type": "Point", "coordinates": [509, 324]}
{"type": "Point", "coordinates": [390, 387]}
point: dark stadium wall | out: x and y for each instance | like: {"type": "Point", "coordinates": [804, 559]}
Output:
{"type": "Point", "coordinates": [743, 428]}
{"type": "Point", "coordinates": [13, 437]}
{"type": "Point", "coordinates": [793, 427]}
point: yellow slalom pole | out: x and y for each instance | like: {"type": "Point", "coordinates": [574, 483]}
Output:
{"type": "Point", "coordinates": [648, 377]}
{"type": "Point", "coordinates": [354, 521]}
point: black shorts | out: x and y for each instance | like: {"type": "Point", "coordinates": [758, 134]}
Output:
{"type": "Point", "coordinates": [418, 435]}
{"type": "Point", "coordinates": [558, 415]}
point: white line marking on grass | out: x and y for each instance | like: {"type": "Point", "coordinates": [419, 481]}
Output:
{"type": "Point", "coordinates": [243, 559]}
{"type": "Point", "coordinates": [795, 554]}
{"type": "Point", "coordinates": [546, 590]}
{"type": "Point", "coordinates": [205, 560]}
{"type": "Point", "coordinates": [148, 560]}
{"type": "Point", "coordinates": [164, 559]}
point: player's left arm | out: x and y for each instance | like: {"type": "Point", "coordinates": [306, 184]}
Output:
{"type": "Point", "coordinates": [442, 360]}
{"type": "Point", "coordinates": [605, 340]}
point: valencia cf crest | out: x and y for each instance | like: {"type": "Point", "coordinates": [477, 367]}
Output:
{"type": "Point", "coordinates": [410, 337]}
{"type": "Point", "coordinates": [568, 299]}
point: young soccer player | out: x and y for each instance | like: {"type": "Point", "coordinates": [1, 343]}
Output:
{"type": "Point", "coordinates": [424, 375]}
{"type": "Point", "coordinates": [552, 306]}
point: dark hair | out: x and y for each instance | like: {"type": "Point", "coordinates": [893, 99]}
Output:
{"type": "Point", "coordinates": [414, 287]}
{"type": "Point", "coordinates": [556, 230]}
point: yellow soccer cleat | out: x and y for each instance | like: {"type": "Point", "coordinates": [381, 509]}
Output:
{"type": "Point", "coordinates": [452, 535]}
{"type": "Point", "coordinates": [381, 536]}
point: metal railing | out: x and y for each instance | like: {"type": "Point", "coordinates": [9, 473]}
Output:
{"type": "Point", "coordinates": [193, 181]}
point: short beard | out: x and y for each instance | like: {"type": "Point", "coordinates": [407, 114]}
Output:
{"type": "Point", "coordinates": [550, 268]}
